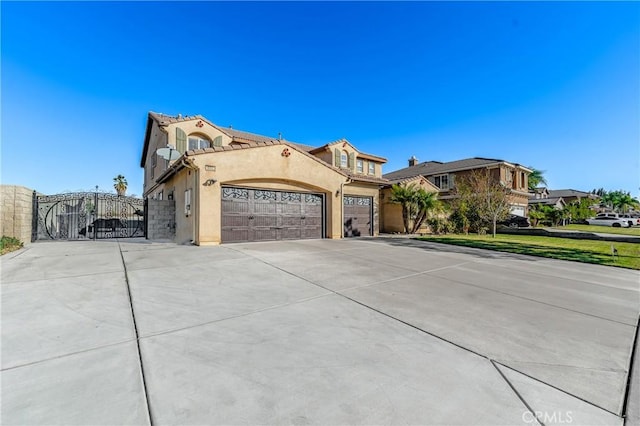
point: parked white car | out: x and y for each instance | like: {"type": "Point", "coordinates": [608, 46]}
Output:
{"type": "Point", "coordinates": [616, 222]}
{"type": "Point", "coordinates": [632, 219]}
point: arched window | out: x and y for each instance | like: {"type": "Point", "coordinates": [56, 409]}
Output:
{"type": "Point", "coordinates": [344, 158]}
{"type": "Point", "coordinates": [198, 142]}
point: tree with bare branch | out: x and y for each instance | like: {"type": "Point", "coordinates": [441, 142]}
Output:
{"type": "Point", "coordinates": [485, 197]}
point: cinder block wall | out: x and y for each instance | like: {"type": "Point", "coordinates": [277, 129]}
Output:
{"type": "Point", "coordinates": [161, 219]}
{"type": "Point", "coordinates": [16, 212]}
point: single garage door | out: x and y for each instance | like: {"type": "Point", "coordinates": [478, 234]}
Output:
{"type": "Point", "coordinates": [265, 215]}
{"type": "Point", "coordinates": [358, 214]}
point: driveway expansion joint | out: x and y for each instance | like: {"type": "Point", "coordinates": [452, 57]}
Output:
{"type": "Point", "coordinates": [232, 317]}
{"type": "Point", "coordinates": [135, 328]}
{"type": "Point", "coordinates": [436, 336]}
{"type": "Point", "coordinates": [530, 299]}
{"type": "Point", "coordinates": [531, 410]}
{"type": "Point", "coordinates": [555, 387]}
{"type": "Point", "coordinates": [40, 361]}
{"type": "Point", "coordinates": [632, 365]}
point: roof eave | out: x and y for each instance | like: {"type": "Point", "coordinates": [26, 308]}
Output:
{"type": "Point", "coordinates": [145, 145]}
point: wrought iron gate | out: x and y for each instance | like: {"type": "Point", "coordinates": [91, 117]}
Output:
{"type": "Point", "coordinates": [86, 215]}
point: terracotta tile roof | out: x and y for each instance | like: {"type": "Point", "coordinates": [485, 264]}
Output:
{"type": "Point", "coordinates": [429, 168]}
{"type": "Point", "coordinates": [164, 119]}
{"type": "Point", "coordinates": [364, 178]}
{"type": "Point", "coordinates": [236, 135]}
{"type": "Point", "coordinates": [240, 146]}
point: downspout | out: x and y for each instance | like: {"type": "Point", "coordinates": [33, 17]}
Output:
{"type": "Point", "coordinates": [196, 196]}
{"type": "Point", "coordinates": [342, 206]}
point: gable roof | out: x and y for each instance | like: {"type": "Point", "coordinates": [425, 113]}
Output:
{"type": "Point", "coordinates": [551, 201]}
{"type": "Point", "coordinates": [238, 136]}
{"type": "Point", "coordinates": [419, 178]}
{"type": "Point", "coordinates": [344, 141]}
{"type": "Point", "coordinates": [177, 165]}
{"type": "Point", "coordinates": [570, 193]}
{"type": "Point", "coordinates": [429, 168]}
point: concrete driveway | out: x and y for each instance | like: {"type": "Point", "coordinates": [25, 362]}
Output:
{"type": "Point", "coordinates": [371, 331]}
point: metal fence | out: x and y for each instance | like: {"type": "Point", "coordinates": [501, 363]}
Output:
{"type": "Point", "coordinates": [86, 215]}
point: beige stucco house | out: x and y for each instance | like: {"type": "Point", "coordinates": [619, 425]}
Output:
{"type": "Point", "coordinates": [442, 177]}
{"type": "Point", "coordinates": [233, 186]}
{"type": "Point", "coordinates": [390, 212]}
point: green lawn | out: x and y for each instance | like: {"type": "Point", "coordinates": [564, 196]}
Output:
{"type": "Point", "coordinates": [587, 251]}
{"type": "Point", "coordinates": [604, 229]}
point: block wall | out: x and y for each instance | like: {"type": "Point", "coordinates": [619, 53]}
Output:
{"type": "Point", "coordinates": [161, 219]}
{"type": "Point", "coordinates": [16, 212]}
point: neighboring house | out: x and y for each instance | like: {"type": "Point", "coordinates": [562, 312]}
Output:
{"type": "Point", "coordinates": [555, 202]}
{"type": "Point", "coordinates": [232, 186]}
{"type": "Point", "coordinates": [390, 212]}
{"type": "Point", "coordinates": [557, 198]}
{"type": "Point", "coordinates": [570, 195]}
{"type": "Point", "coordinates": [538, 193]}
{"type": "Point", "coordinates": [443, 176]}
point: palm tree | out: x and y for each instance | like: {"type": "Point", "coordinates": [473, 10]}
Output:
{"type": "Point", "coordinates": [426, 203]}
{"type": "Point", "coordinates": [405, 196]}
{"type": "Point", "coordinates": [624, 202]}
{"type": "Point", "coordinates": [120, 184]}
{"type": "Point", "coordinates": [536, 178]}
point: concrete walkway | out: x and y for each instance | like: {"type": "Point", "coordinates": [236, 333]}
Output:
{"type": "Point", "coordinates": [367, 331]}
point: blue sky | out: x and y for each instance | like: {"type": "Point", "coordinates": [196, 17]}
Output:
{"type": "Point", "coordinates": [551, 85]}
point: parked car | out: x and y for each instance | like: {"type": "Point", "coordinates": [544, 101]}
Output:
{"type": "Point", "coordinates": [515, 221]}
{"type": "Point", "coordinates": [632, 219]}
{"type": "Point", "coordinates": [102, 226]}
{"type": "Point", "coordinates": [616, 222]}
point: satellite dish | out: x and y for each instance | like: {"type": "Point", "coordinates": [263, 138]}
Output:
{"type": "Point", "coordinates": [168, 153]}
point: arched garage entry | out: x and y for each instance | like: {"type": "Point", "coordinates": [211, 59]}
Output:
{"type": "Point", "coordinates": [252, 214]}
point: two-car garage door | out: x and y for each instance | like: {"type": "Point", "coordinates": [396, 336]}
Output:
{"type": "Point", "coordinates": [266, 215]}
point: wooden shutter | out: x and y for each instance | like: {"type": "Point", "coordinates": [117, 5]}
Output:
{"type": "Point", "coordinates": [181, 140]}
{"type": "Point", "coordinates": [217, 141]}
{"type": "Point", "coordinates": [352, 160]}
{"type": "Point", "coordinates": [337, 157]}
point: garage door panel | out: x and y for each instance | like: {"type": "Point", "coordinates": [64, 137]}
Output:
{"type": "Point", "coordinates": [291, 234]}
{"type": "Point", "coordinates": [358, 216]}
{"type": "Point", "coordinates": [264, 208]}
{"type": "Point", "coordinates": [263, 215]}
{"type": "Point", "coordinates": [236, 221]}
{"type": "Point", "coordinates": [264, 221]}
{"type": "Point", "coordinates": [291, 209]}
{"type": "Point", "coordinates": [291, 221]}
{"type": "Point", "coordinates": [264, 234]}
{"type": "Point", "coordinates": [308, 233]}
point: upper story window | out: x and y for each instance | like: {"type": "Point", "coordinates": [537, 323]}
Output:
{"type": "Point", "coordinates": [344, 159]}
{"type": "Point", "coordinates": [372, 168]}
{"type": "Point", "coordinates": [442, 181]}
{"type": "Point", "coordinates": [198, 142]}
{"type": "Point", "coordinates": [359, 166]}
